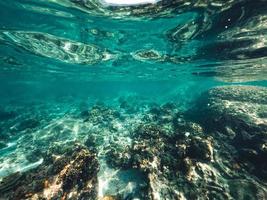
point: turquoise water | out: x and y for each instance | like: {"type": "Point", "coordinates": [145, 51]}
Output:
{"type": "Point", "coordinates": [160, 100]}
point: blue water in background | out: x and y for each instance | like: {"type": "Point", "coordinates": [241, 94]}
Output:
{"type": "Point", "coordinates": [57, 57]}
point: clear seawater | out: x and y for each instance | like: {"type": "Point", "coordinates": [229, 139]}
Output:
{"type": "Point", "coordinates": [98, 75]}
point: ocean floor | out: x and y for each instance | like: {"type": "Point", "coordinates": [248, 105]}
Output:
{"type": "Point", "coordinates": [134, 148]}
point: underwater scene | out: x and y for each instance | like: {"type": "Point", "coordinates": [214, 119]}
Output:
{"type": "Point", "coordinates": [133, 100]}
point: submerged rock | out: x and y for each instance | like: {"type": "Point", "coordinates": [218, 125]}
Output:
{"type": "Point", "coordinates": [165, 158]}
{"type": "Point", "coordinates": [72, 175]}
{"type": "Point", "coordinates": [247, 189]}
{"type": "Point", "coordinates": [100, 114]}
{"type": "Point", "coordinates": [9, 182]}
{"type": "Point", "coordinates": [243, 103]}
{"type": "Point", "coordinates": [235, 114]}
{"type": "Point", "coordinates": [200, 148]}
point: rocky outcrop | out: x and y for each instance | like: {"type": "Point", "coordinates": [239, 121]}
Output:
{"type": "Point", "coordinates": [72, 175]}
{"type": "Point", "coordinates": [166, 158]}
{"type": "Point", "coordinates": [237, 116]}
{"type": "Point", "coordinates": [244, 103]}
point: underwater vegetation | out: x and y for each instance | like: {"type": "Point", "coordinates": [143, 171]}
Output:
{"type": "Point", "coordinates": [133, 100]}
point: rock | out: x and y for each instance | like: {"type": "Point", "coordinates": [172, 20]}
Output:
{"type": "Point", "coordinates": [164, 158]}
{"type": "Point", "coordinates": [34, 156]}
{"type": "Point", "coordinates": [68, 176]}
{"type": "Point", "coordinates": [149, 131]}
{"type": "Point", "coordinates": [91, 142]}
{"type": "Point", "coordinates": [109, 198]}
{"type": "Point", "coordinates": [79, 170]}
{"type": "Point", "coordinates": [183, 126]}
{"type": "Point", "coordinates": [235, 115]}
{"type": "Point", "coordinates": [119, 156]}
{"type": "Point", "coordinates": [247, 189]}
{"type": "Point", "coordinates": [222, 105]}
{"type": "Point", "coordinates": [100, 114]}
{"type": "Point", "coordinates": [9, 182]}
{"type": "Point", "coordinates": [200, 149]}
{"type": "Point", "coordinates": [163, 114]}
